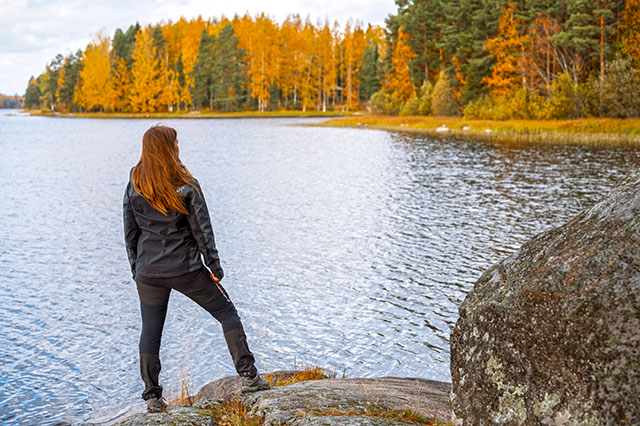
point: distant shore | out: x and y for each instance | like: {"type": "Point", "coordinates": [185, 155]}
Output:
{"type": "Point", "coordinates": [194, 114]}
{"type": "Point", "coordinates": [584, 131]}
{"type": "Point", "coordinates": [587, 131]}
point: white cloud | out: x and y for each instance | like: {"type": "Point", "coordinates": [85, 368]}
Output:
{"type": "Point", "coordinates": [34, 31]}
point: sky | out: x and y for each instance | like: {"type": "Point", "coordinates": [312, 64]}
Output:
{"type": "Point", "coordinates": [32, 32]}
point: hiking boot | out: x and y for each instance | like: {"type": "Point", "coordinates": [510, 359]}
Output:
{"type": "Point", "coordinates": [156, 405]}
{"type": "Point", "coordinates": [254, 384]}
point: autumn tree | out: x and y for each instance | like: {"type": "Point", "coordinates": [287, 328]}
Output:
{"type": "Point", "coordinates": [262, 48]}
{"type": "Point", "coordinates": [398, 82]}
{"type": "Point", "coordinates": [96, 89]}
{"type": "Point", "coordinates": [631, 30]}
{"type": "Point", "coordinates": [507, 49]}
{"type": "Point", "coordinates": [542, 54]}
{"type": "Point", "coordinates": [146, 83]}
{"type": "Point", "coordinates": [443, 99]}
{"type": "Point", "coordinates": [353, 44]}
{"type": "Point", "coordinates": [292, 61]}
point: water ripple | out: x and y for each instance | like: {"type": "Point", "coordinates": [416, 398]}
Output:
{"type": "Point", "coordinates": [345, 248]}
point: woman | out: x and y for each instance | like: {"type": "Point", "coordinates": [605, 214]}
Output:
{"type": "Point", "coordinates": [167, 230]}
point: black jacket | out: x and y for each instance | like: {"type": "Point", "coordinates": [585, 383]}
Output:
{"type": "Point", "coordinates": [162, 246]}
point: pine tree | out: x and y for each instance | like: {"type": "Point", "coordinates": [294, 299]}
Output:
{"type": "Point", "coordinates": [468, 25]}
{"type": "Point", "coordinates": [203, 72]}
{"type": "Point", "coordinates": [123, 43]}
{"type": "Point", "coordinates": [68, 79]}
{"type": "Point", "coordinates": [369, 72]}
{"type": "Point", "coordinates": [227, 72]}
{"type": "Point", "coordinates": [32, 95]}
{"type": "Point", "coordinates": [423, 21]}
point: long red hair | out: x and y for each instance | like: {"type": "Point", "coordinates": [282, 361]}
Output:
{"type": "Point", "coordinates": [159, 171]}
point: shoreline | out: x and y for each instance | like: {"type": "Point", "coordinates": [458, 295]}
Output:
{"type": "Point", "coordinates": [192, 115]}
{"type": "Point", "coordinates": [588, 131]}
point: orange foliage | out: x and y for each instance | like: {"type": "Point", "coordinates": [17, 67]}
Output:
{"type": "Point", "coordinates": [354, 43]}
{"type": "Point", "coordinates": [631, 30]}
{"type": "Point", "coordinates": [146, 94]}
{"type": "Point", "coordinates": [507, 48]}
{"type": "Point", "coordinates": [399, 80]}
{"type": "Point", "coordinates": [96, 90]}
{"type": "Point", "coordinates": [301, 61]}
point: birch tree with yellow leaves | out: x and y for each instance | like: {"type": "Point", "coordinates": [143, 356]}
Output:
{"type": "Point", "coordinates": [146, 83]}
{"type": "Point", "coordinates": [95, 91]}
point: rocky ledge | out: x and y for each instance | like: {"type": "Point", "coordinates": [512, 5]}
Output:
{"type": "Point", "coordinates": [382, 401]}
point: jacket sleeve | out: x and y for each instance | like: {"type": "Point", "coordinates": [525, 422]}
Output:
{"type": "Point", "coordinates": [200, 224]}
{"type": "Point", "coordinates": [131, 231]}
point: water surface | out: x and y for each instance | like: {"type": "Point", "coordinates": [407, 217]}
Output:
{"type": "Point", "coordinates": [344, 248]}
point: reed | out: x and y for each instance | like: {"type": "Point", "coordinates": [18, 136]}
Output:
{"type": "Point", "coordinates": [588, 131]}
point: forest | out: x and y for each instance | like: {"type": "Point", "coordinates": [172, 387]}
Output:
{"type": "Point", "coordinates": [484, 59]}
{"type": "Point", "coordinates": [11, 101]}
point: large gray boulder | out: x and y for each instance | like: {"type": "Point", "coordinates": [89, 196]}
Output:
{"type": "Point", "coordinates": [551, 334]}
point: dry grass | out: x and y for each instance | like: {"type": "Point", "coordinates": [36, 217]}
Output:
{"type": "Point", "coordinates": [182, 397]}
{"type": "Point", "coordinates": [234, 413]}
{"type": "Point", "coordinates": [588, 131]}
{"type": "Point", "coordinates": [307, 373]}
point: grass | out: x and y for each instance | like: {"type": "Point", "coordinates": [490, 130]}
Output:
{"type": "Point", "coordinates": [588, 131]}
{"type": "Point", "coordinates": [193, 114]}
{"type": "Point", "coordinates": [307, 373]}
{"type": "Point", "coordinates": [233, 413]}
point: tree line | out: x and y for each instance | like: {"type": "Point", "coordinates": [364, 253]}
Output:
{"type": "Point", "coordinates": [244, 63]}
{"type": "Point", "coordinates": [15, 101]}
{"type": "Point", "coordinates": [492, 59]}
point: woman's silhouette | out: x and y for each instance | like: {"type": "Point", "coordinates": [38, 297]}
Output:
{"type": "Point", "coordinates": [168, 233]}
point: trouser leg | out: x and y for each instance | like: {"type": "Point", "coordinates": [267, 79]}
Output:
{"type": "Point", "coordinates": [212, 297]}
{"type": "Point", "coordinates": [149, 371]}
{"type": "Point", "coordinates": [242, 357]}
{"type": "Point", "coordinates": [153, 307]}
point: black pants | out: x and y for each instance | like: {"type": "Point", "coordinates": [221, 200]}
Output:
{"type": "Point", "coordinates": [202, 289]}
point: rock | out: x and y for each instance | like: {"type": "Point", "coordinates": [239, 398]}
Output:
{"type": "Point", "coordinates": [225, 388]}
{"type": "Point", "coordinates": [443, 128]}
{"type": "Point", "coordinates": [551, 334]}
{"type": "Point", "coordinates": [175, 415]}
{"type": "Point", "coordinates": [488, 130]}
{"type": "Point", "coordinates": [333, 402]}
{"type": "Point", "coordinates": [316, 402]}
{"type": "Point", "coordinates": [466, 128]}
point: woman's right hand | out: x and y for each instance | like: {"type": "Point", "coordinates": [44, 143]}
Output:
{"type": "Point", "coordinates": [217, 274]}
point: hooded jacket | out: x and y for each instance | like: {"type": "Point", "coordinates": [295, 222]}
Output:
{"type": "Point", "coordinates": [163, 246]}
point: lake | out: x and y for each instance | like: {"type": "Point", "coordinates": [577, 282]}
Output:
{"type": "Point", "coordinates": [348, 249]}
